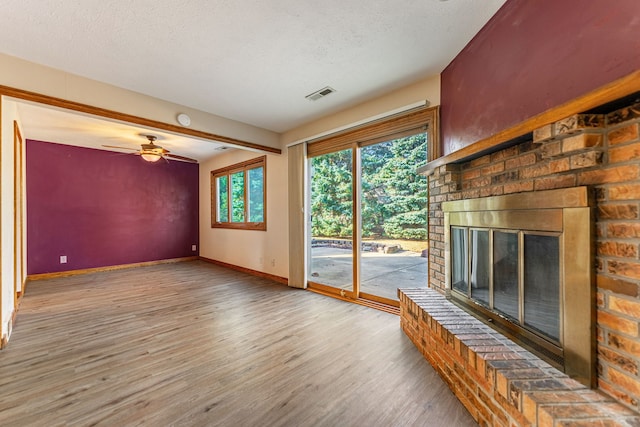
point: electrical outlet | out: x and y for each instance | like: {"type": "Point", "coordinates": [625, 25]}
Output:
{"type": "Point", "coordinates": [273, 262]}
{"type": "Point", "coordinates": [194, 248]}
{"type": "Point", "coordinates": [63, 259]}
{"type": "Point", "coordinates": [261, 261]}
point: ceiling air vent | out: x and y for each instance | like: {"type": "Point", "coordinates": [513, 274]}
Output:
{"type": "Point", "coordinates": [320, 93]}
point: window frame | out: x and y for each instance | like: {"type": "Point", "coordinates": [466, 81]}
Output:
{"type": "Point", "coordinates": [228, 171]}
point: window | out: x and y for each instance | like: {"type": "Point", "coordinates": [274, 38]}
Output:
{"type": "Point", "coordinates": [238, 195]}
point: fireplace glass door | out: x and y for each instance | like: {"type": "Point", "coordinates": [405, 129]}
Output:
{"type": "Point", "coordinates": [506, 292]}
{"type": "Point", "coordinates": [513, 274]}
{"type": "Point", "coordinates": [542, 284]}
{"type": "Point", "coordinates": [480, 267]}
{"type": "Point", "coordinates": [523, 263]}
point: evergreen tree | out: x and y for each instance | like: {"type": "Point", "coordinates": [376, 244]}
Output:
{"type": "Point", "coordinates": [394, 197]}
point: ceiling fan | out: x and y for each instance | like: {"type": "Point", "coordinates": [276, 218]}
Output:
{"type": "Point", "coordinates": [152, 152]}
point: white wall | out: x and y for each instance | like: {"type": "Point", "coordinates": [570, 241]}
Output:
{"type": "Point", "coordinates": [256, 249]}
{"type": "Point", "coordinates": [427, 89]}
{"type": "Point", "coordinates": [7, 258]}
{"type": "Point", "coordinates": [264, 251]}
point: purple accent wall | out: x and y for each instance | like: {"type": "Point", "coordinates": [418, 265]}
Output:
{"type": "Point", "coordinates": [101, 208]}
{"type": "Point", "coordinates": [532, 56]}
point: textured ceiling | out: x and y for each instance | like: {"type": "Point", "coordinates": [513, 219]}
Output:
{"type": "Point", "coordinates": [248, 60]}
{"type": "Point", "coordinates": [64, 127]}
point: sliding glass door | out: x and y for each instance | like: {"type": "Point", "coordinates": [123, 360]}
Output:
{"type": "Point", "coordinates": [332, 221]}
{"type": "Point", "coordinates": [394, 217]}
{"type": "Point", "coordinates": [369, 219]}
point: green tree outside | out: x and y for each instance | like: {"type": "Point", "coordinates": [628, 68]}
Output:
{"type": "Point", "coordinates": [394, 196]}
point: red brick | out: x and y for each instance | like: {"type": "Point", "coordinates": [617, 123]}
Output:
{"type": "Point", "coordinates": [609, 175]}
{"type": "Point", "coordinates": [618, 395]}
{"type": "Point", "coordinates": [625, 306]}
{"type": "Point", "coordinates": [580, 142]}
{"type": "Point", "coordinates": [622, 115]}
{"type": "Point", "coordinates": [535, 171]}
{"type": "Point", "coordinates": [626, 269]}
{"type": "Point", "coordinates": [518, 187]}
{"type": "Point", "coordinates": [631, 385]}
{"type": "Point", "coordinates": [624, 230]}
{"type": "Point", "coordinates": [561, 165]}
{"type": "Point", "coordinates": [617, 211]}
{"type": "Point", "coordinates": [622, 250]}
{"type": "Point", "coordinates": [501, 178]}
{"type": "Point", "coordinates": [551, 149]}
{"type": "Point", "coordinates": [623, 134]}
{"type": "Point", "coordinates": [492, 191]}
{"type": "Point", "coordinates": [504, 154]}
{"type": "Point", "coordinates": [578, 122]}
{"type": "Point", "coordinates": [599, 300]}
{"type": "Point", "coordinates": [625, 153]}
{"type": "Point", "coordinates": [624, 192]}
{"type": "Point", "coordinates": [623, 343]}
{"type": "Point", "coordinates": [480, 182]}
{"type": "Point", "coordinates": [470, 174]}
{"type": "Point", "coordinates": [493, 168]}
{"type": "Point", "coordinates": [543, 133]}
{"type": "Point", "coordinates": [452, 177]}
{"type": "Point", "coordinates": [471, 194]}
{"type": "Point", "coordinates": [622, 362]}
{"type": "Point", "coordinates": [617, 286]}
{"type": "Point", "coordinates": [569, 411]}
{"type": "Point", "coordinates": [617, 323]}
{"type": "Point", "coordinates": [550, 183]}
{"type": "Point", "coordinates": [520, 161]}
{"type": "Point", "coordinates": [586, 160]}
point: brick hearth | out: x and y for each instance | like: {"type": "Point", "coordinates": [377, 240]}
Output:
{"type": "Point", "coordinates": [499, 382]}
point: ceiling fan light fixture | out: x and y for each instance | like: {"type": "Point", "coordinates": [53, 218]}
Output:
{"type": "Point", "coordinates": [151, 157]}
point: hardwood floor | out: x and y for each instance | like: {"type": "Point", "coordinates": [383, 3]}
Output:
{"type": "Point", "coordinates": [195, 344]}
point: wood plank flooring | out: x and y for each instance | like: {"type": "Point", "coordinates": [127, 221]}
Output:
{"type": "Point", "coordinates": [194, 344]}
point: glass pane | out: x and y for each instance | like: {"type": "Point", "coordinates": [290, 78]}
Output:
{"type": "Point", "coordinates": [222, 185]}
{"type": "Point", "coordinates": [505, 274]}
{"type": "Point", "coordinates": [459, 259]}
{"type": "Point", "coordinates": [542, 284]}
{"type": "Point", "coordinates": [480, 266]}
{"type": "Point", "coordinates": [394, 216]}
{"type": "Point", "coordinates": [237, 197]}
{"type": "Point", "coordinates": [256, 192]}
{"type": "Point", "coordinates": [332, 220]}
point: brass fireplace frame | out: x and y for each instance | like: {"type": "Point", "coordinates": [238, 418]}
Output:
{"type": "Point", "coordinates": [569, 213]}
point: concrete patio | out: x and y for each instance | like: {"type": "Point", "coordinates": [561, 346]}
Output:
{"type": "Point", "coordinates": [381, 274]}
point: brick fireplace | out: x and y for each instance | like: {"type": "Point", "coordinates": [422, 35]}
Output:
{"type": "Point", "coordinates": [498, 381]}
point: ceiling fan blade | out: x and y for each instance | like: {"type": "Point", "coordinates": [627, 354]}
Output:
{"type": "Point", "coordinates": [121, 148]}
{"type": "Point", "coordinates": [186, 159]}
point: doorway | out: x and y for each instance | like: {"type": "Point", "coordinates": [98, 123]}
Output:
{"type": "Point", "coordinates": [369, 218]}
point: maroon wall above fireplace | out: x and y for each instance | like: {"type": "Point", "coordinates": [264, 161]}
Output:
{"type": "Point", "coordinates": [101, 208]}
{"type": "Point", "coordinates": [534, 55]}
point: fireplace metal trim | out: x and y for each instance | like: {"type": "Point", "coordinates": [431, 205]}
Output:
{"type": "Point", "coordinates": [566, 211]}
